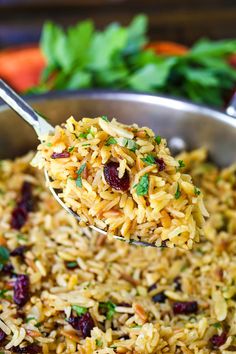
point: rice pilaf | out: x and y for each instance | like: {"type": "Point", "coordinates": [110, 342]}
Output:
{"type": "Point", "coordinates": [64, 289]}
{"type": "Point", "coordinates": [123, 180]}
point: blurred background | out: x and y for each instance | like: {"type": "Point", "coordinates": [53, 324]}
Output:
{"type": "Point", "coordinates": [164, 51]}
{"type": "Point", "coordinates": [183, 21]}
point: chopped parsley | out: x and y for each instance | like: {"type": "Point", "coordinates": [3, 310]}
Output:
{"type": "Point", "coordinates": [105, 118]}
{"type": "Point", "coordinates": [110, 141]}
{"type": "Point", "coordinates": [49, 144]}
{"type": "Point", "coordinates": [21, 237]}
{"type": "Point", "coordinates": [79, 172]}
{"type": "Point", "coordinates": [98, 342]}
{"type": "Point", "coordinates": [131, 145]}
{"type": "Point", "coordinates": [28, 319]}
{"type": "Point", "coordinates": [181, 164]}
{"type": "Point", "coordinates": [158, 139]}
{"type": "Point", "coordinates": [85, 144]}
{"type": "Point", "coordinates": [149, 160]}
{"type": "Point", "coordinates": [197, 191]}
{"type": "Point", "coordinates": [3, 293]}
{"type": "Point", "coordinates": [4, 256]}
{"type": "Point", "coordinates": [71, 148]}
{"type": "Point", "coordinates": [109, 309]}
{"type": "Point", "coordinates": [177, 193]}
{"type": "Point", "coordinates": [217, 325]}
{"type": "Point", "coordinates": [71, 264]}
{"type": "Point", "coordinates": [80, 310]}
{"type": "Point", "coordinates": [142, 186]}
{"type": "Point", "coordinates": [83, 135]}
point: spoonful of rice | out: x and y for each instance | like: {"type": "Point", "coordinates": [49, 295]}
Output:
{"type": "Point", "coordinates": [120, 180]}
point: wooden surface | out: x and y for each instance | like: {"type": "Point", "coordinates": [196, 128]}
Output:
{"type": "Point", "coordinates": [183, 21]}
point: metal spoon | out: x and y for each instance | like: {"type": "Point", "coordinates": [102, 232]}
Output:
{"type": "Point", "coordinates": [42, 129]}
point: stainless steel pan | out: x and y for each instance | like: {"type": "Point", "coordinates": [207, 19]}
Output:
{"type": "Point", "coordinates": [196, 125]}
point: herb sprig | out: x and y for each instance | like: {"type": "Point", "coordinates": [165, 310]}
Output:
{"type": "Point", "coordinates": [116, 57]}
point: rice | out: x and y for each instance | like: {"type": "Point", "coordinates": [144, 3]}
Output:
{"type": "Point", "coordinates": [131, 297]}
{"type": "Point", "coordinates": [123, 179]}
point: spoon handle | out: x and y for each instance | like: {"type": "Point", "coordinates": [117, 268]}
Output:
{"type": "Point", "coordinates": [13, 100]}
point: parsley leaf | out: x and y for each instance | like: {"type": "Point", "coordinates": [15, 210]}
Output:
{"type": "Point", "coordinates": [71, 148]}
{"type": "Point", "coordinates": [105, 118]}
{"type": "Point", "coordinates": [109, 309]}
{"type": "Point", "coordinates": [158, 139]}
{"type": "Point", "coordinates": [111, 141]}
{"type": "Point", "coordinates": [149, 160]}
{"type": "Point", "coordinates": [2, 293]}
{"type": "Point", "coordinates": [79, 172]}
{"type": "Point", "coordinates": [28, 319]}
{"type": "Point", "coordinates": [80, 310]}
{"type": "Point", "coordinates": [4, 256]}
{"type": "Point", "coordinates": [98, 342]}
{"type": "Point", "coordinates": [178, 192]}
{"type": "Point", "coordinates": [142, 186]}
{"type": "Point", "coordinates": [217, 325]}
{"type": "Point", "coordinates": [196, 191]}
{"type": "Point", "coordinates": [181, 164]}
{"type": "Point", "coordinates": [71, 264]}
{"type": "Point", "coordinates": [81, 169]}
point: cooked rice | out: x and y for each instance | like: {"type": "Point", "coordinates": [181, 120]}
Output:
{"type": "Point", "coordinates": [169, 210]}
{"type": "Point", "coordinates": [123, 275]}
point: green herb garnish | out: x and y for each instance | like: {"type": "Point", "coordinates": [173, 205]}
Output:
{"type": "Point", "coordinates": [49, 144]}
{"type": "Point", "coordinates": [71, 148]}
{"type": "Point", "coordinates": [82, 57]}
{"type": "Point", "coordinates": [109, 309]}
{"type": "Point", "coordinates": [149, 160]}
{"type": "Point", "coordinates": [217, 325]}
{"type": "Point", "coordinates": [21, 237]}
{"type": "Point", "coordinates": [111, 141]}
{"type": "Point", "coordinates": [158, 139]}
{"type": "Point", "coordinates": [79, 172]}
{"type": "Point", "coordinates": [4, 256]}
{"type": "Point", "coordinates": [105, 118]}
{"type": "Point", "coordinates": [131, 145]}
{"type": "Point", "coordinates": [98, 342]}
{"type": "Point", "coordinates": [80, 310]}
{"type": "Point", "coordinates": [181, 164]}
{"type": "Point", "coordinates": [197, 191]}
{"type": "Point", "coordinates": [71, 264]}
{"type": "Point", "coordinates": [28, 319]}
{"type": "Point", "coordinates": [2, 293]}
{"type": "Point", "coordinates": [178, 192]}
{"type": "Point", "coordinates": [142, 186]}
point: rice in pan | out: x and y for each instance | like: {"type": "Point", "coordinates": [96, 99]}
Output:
{"type": "Point", "coordinates": [123, 179]}
{"type": "Point", "coordinates": [64, 289]}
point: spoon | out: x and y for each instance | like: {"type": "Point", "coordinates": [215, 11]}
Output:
{"type": "Point", "coordinates": [42, 129]}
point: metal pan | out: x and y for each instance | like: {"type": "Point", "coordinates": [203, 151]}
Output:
{"type": "Point", "coordinates": [196, 125]}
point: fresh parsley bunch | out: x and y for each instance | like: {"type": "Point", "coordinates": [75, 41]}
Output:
{"type": "Point", "coordinates": [116, 58]}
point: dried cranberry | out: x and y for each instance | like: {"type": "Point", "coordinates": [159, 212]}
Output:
{"type": "Point", "coordinates": [19, 251]}
{"type": "Point", "coordinates": [60, 155]}
{"type": "Point", "coordinates": [26, 201]}
{"type": "Point", "coordinates": [218, 340]}
{"type": "Point", "coordinates": [18, 218]}
{"type": "Point", "coordinates": [82, 323]}
{"type": "Point", "coordinates": [112, 178]}
{"type": "Point", "coordinates": [24, 205]}
{"type": "Point", "coordinates": [29, 349]}
{"type": "Point", "coordinates": [21, 289]}
{"type": "Point", "coordinates": [8, 269]}
{"type": "Point", "coordinates": [160, 297]}
{"type": "Point", "coordinates": [185, 307]}
{"type": "Point", "coordinates": [177, 283]}
{"type": "Point", "coordinates": [2, 335]}
{"type": "Point", "coordinates": [152, 287]}
{"type": "Point", "coordinates": [161, 164]}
